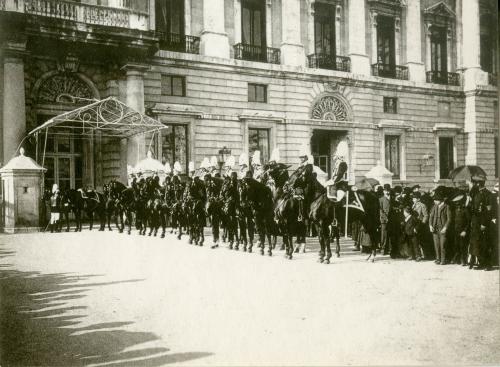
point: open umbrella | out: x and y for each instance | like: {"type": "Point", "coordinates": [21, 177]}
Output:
{"type": "Point", "coordinates": [367, 184]}
{"type": "Point", "coordinates": [466, 172]}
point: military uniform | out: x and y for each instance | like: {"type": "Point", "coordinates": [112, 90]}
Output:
{"type": "Point", "coordinates": [480, 219]}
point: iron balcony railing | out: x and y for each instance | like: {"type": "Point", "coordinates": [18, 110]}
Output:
{"type": "Point", "coordinates": [492, 79]}
{"type": "Point", "coordinates": [179, 42]}
{"type": "Point", "coordinates": [443, 77]}
{"type": "Point", "coordinates": [244, 51]}
{"type": "Point", "coordinates": [324, 61]}
{"type": "Point", "coordinates": [83, 13]}
{"type": "Point", "coordinates": [390, 71]}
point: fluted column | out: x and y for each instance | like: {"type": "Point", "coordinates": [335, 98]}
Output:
{"type": "Point", "coordinates": [14, 110]}
{"type": "Point", "coordinates": [360, 63]}
{"type": "Point", "coordinates": [292, 50]}
{"type": "Point", "coordinates": [473, 75]}
{"type": "Point", "coordinates": [415, 65]}
{"type": "Point", "coordinates": [214, 41]}
{"type": "Point", "coordinates": [135, 99]}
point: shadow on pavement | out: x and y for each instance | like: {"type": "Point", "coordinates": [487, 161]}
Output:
{"type": "Point", "coordinates": [35, 328]}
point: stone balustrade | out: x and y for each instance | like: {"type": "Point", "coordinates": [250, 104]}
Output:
{"type": "Point", "coordinates": [78, 12]}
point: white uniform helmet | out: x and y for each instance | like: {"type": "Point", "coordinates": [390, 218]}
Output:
{"type": "Point", "coordinates": [168, 169]}
{"type": "Point", "coordinates": [275, 155]}
{"type": "Point", "coordinates": [177, 168]}
{"type": "Point", "coordinates": [304, 150]}
{"type": "Point", "coordinates": [256, 158]}
{"type": "Point", "coordinates": [243, 159]}
{"type": "Point", "coordinates": [55, 188]}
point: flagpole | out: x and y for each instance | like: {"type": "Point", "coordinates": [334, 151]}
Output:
{"type": "Point", "coordinates": [346, 212]}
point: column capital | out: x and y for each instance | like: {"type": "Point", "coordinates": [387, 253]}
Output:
{"type": "Point", "coordinates": [135, 69]}
{"type": "Point", "coordinates": [14, 49]}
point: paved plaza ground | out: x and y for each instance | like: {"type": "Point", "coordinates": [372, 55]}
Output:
{"type": "Point", "coordinates": [110, 299]}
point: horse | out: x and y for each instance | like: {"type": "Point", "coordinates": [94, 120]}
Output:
{"type": "Point", "coordinates": [362, 206]}
{"type": "Point", "coordinates": [94, 202]}
{"type": "Point", "coordinates": [213, 206]}
{"type": "Point", "coordinates": [259, 197]}
{"type": "Point", "coordinates": [72, 201]}
{"type": "Point", "coordinates": [197, 213]}
{"type": "Point", "coordinates": [125, 203]}
{"type": "Point", "coordinates": [229, 197]}
{"type": "Point", "coordinates": [175, 194]}
{"type": "Point", "coordinates": [245, 217]}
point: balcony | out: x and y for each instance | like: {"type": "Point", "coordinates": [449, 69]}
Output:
{"type": "Point", "coordinates": [492, 79]}
{"type": "Point", "coordinates": [390, 71]}
{"type": "Point", "coordinates": [443, 77]}
{"type": "Point", "coordinates": [78, 12]}
{"type": "Point", "coordinates": [257, 53]}
{"type": "Point", "coordinates": [323, 61]}
{"type": "Point", "coordinates": [179, 43]}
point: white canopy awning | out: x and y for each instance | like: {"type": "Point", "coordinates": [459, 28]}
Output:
{"type": "Point", "coordinates": [109, 117]}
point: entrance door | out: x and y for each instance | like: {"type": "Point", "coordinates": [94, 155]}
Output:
{"type": "Point", "coordinates": [63, 160]}
{"type": "Point", "coordinates": [324, 147]}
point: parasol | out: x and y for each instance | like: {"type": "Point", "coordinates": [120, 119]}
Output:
{"type": "Point", "coordinates": [466, 172]}
{"type": "Point", "coordinates": [367, 184]}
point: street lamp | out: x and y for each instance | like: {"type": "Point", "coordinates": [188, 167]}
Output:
{"type": "Point", "coordinates": [223, 154]}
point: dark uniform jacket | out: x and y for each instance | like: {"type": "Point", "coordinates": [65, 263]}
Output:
{"type": "Point", "coordinates": [461, 222]}
{"type": "Point", "coordinates": [385, 208]}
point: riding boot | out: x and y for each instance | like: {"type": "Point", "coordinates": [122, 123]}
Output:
{"type": "Point", "coordinates": [51, 227]}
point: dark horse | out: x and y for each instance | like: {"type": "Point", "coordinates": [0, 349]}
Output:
{"type": "Point", "coordinates": [258, 197]}
{"type": "Point", "coordinates": [78, 201]}
{"type": "Point", "coordinates": [125, 203]}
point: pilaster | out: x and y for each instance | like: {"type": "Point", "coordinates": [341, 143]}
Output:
{"type": "Point", "coordinates": [135, 145]}
{"type": "Point", "coordinates": [292, 50]}
{"type": "Point", "coordinates": [14, 101]}
{"type": "Point", "coordinates": [360, 63]}
{"type": "Point", "coordinates": [214, 40]}
{"type": "Point", "coordinates": [415, 66]}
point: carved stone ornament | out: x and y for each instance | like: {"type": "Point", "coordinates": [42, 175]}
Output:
{"type": "Point", "coordinates": [61, 88]}
{"type": "Point", "coordinates": [329, 108]}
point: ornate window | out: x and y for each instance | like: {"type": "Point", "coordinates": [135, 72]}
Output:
{"type": "Point", "coordinates": [330, 108]}
{"type": "Point", "coordinates": [61, 88]}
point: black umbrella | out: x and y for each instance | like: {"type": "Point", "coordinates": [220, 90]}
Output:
{"type": "Point", "coordinates": [467, 172]}
{"type": "Point", "coordinates": [367, 184]}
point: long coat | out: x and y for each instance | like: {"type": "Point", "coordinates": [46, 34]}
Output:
{"type": "Point", "coordinates": [480, 216]}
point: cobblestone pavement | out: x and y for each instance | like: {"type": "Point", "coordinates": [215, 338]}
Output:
{"type": "Point", "coordinates": [104, 298]}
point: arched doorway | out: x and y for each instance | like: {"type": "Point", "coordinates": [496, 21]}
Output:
{"type": "Point", "coordinates": [67, 156]}
{"type": "Point", "coordinates": [329, 140]}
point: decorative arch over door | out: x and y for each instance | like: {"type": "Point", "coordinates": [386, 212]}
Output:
{"type": "Point", "coordinates": [331, 107]}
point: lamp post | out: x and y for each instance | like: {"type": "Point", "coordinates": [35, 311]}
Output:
{"type": "Point", "coordinates": [223, 154]}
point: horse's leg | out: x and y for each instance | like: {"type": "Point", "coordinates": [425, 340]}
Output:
{"type": "Point", "coordinates": [326, 236]}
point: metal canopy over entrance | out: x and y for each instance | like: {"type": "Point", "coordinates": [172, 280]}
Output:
{"type": "Point", "coordinates": [110, 117]}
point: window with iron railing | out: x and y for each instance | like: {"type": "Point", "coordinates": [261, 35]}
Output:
{"type": "Point", "coordinates": [390, 105]}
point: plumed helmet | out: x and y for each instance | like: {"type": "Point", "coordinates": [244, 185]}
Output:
{"type": "Point", "coordinates": [310, 159]}
{"type": "Point", "coordinates": [168, 169]}
{"type": "Point", "coordinates": [213, 161]}
{"type": "Point", "coordinates": [191, 167]}
{"type": "Point", "coordinates": [55, 188]}
{"type": "Point", "coordinates": [243, 159]}
{"type": "Point", "coordinates": [230, 162]}
{"type": "Point", "coordinates": [256, 158]}
{"type": "Point", "coordinates": [342, 149]}
{"type": "Point", "coordinates": [205, 164]}
{"type": "Point", "coordinates": [177, 168]}
{"type": "Point", "coordinates": [275, 155]}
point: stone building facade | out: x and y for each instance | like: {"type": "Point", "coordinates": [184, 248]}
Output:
{"type": "Point", "coordinates": [409, 83]}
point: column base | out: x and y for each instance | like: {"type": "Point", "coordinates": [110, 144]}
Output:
{"type": "Point", "coordinates": [416, 71]}
{"type": "Point", "coordinates": [293, 54]}
{"type": "Point", "coordinates": [214, 44]}
{"type": "Point", "coordinates": [360, 64]}
{"type": "Point", "coordinates": [473, 77]}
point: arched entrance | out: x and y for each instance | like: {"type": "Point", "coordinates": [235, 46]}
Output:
{"type": "Point", "coordinates": [330, 140]}
{"type": "Point", "coordinates": [68, 158]}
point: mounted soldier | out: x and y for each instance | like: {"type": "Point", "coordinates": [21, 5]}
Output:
{"type": "Point", "coordinates": [243, 162]}
{"type": "Point", "coordinates": [339, 169]}
{"type": "Point", "coordinates": [257, 166]}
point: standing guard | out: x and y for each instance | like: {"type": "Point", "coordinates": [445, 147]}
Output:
{"type": "Point", "coordinates": [480, 248]}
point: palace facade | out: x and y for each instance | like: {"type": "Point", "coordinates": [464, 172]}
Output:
{"type": "Point", "coordinates": [409, 83]}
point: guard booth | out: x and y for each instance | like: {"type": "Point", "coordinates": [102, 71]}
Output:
{"type": "Point", "coordinates": [20, 201]}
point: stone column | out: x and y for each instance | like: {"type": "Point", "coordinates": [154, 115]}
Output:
{"type": "Point", "coordinates": [338, 30]}
{"type": "Point", "coordinates": [214, 41]}
{"type": "Point", "coordinates": [292, 50]}
{"type": "Point", "coordinates": [269, 23]}
{"type": "Point", "coordinates": [449, 48]}
{"type": "Point", "coordinates": [135, 99]}
{"type": "Point", "coordinates": [187, 17]}
{"type": "Point", "coordinates": [428, 51]}
{"type": "Point", "coordinates": [397, 39]}
{"type": "Point", "coordinates": [473, 75]}
{"type": "Point", "coordinates": [237, 21]}
{"type": "Point", "coordinates": [14, 104]}
{"type": "Point", "coordinates": [360, 63]}
{"type": "Point", "coordinates": [415, 65]}
{"type": "Point", "coordinates": [310, 26]}
{"type": "Point", "coordinates": [373, 19]}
